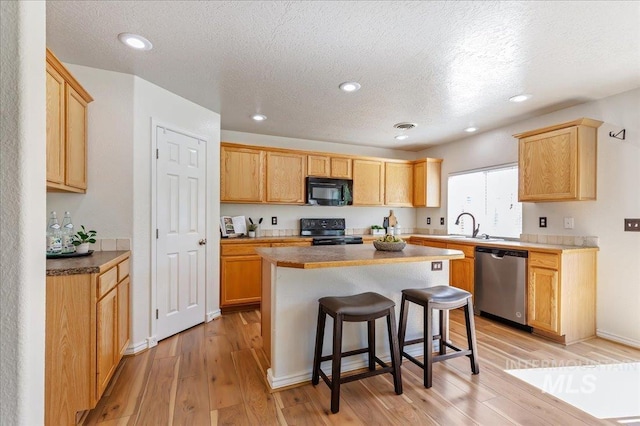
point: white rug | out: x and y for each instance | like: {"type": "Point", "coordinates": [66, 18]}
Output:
{"type": "Point", "coordinates": [606, 391]}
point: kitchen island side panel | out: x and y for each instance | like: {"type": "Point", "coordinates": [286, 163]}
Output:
{"type": "Point", "coordinates": [293, 311]}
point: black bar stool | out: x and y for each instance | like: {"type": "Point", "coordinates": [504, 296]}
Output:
{"type": "Point", "coordinates": [358, 308]}
{"type": "Point", "coordinates": [442, 298]}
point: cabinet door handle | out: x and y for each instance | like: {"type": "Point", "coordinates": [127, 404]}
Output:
{"type": "Point", "coordinates": [202, 241]}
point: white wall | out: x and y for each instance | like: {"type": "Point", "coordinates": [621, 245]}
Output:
{"type": "Point", "coordinates": [107, 206]}
{"type": "Point", "coordinates": [151, 101]}
{"type": "Point", "coordinates": [618, 294]}
{"type": "Point", "coordinates": [22, 212]}
{"type": "Point", "coordinates": [289, 216]}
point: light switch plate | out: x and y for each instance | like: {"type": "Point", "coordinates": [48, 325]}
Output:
{"type": "Point", "coordinates": [428, 221]}
{"type": "Point", "coordinates": [442, 221]}
{"type": "Point", "coordinates": [436, 266]}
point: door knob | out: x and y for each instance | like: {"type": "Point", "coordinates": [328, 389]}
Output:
{"type": "Point", "coordinates": [202, 241]}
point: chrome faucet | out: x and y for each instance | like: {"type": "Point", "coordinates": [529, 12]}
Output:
{"type": "Point", "coordinates": [473, 226]}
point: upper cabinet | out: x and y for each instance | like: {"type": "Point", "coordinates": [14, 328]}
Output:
{"type": "Point", "coordinates": [398, 179]}
{"type": "Point", "coordinates": [558, 163]}
{"type": "Point", "coordinates": [285, 177]}
{"type": "Point", "coordinates": [326, 166]}
{"type": "Point", "coordinates": [368, 182]}
{"type": "Point", "coordinates": [426, 182]}
{"type": "Point", "coordinates": [241, 174]}
{"type": "Point", "coordinates": [66, 129]}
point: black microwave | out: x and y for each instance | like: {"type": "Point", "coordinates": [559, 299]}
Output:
{"type": "Point", "coordinates": [329, 192]}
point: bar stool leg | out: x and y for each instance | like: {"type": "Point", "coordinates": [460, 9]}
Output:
{"type": "Point", "coordinates": [428, 345]}
{"type": "Point", "coordinates": [371, 340]}
{"type": "Point", "coordinates": [322, 317]}
{"type": "Point", "coordinates": [443, 319]}
{"type": "Point", "coordinates": [471, 336]}
{"type": "Point", "coordinates": [395, 351]}
{"type": "Point", "coordinates": [402, 331]}
{"type": "Point", "coordinates": [335, 364]}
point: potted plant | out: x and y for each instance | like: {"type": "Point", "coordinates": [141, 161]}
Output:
{"type": "Point", "coordinates": [377, 230]}
{"type": "Point", "coordinates": [253, 227]}
{"type": "Point", "coordinates": [82, 239]}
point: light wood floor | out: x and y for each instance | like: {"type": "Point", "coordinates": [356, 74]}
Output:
{"type": "Point", "coordinates": [214, 374]}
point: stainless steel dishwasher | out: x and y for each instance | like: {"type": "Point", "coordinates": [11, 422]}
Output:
{"type": "Point", "coordinates": [501, 283]}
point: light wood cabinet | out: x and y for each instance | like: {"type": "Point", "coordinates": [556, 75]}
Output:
{"type": "Point", "coordinates": [66, 104]}
{"type": "Point", "coordinates": [326, 166]}
{"type": "Point", "coordinates": [398, 179]}
{"type": "Point", "coordinates": [561, 294]}
{"type": "Point", "coordinates": [86, 334]}
{"type": "Point", "coordinates": [462, 271]}
{"type": "Point", "coordinates": [426, 182]}
{"type": "Point", "coordinates": [241, 175]}
{"type": "Point", "coordinates": [558, 163]}
{"type": "Point", "coordinates": [285, 178]}
{"type": "Point", "coordinates": [368, 182]}
{"type": "Point", "coordinates": [241, 273]}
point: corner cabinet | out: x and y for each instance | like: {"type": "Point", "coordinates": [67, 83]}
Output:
{"type": "Point", "coordinates": [558, 163]}
{"type": "Point", "coordinates": [86, 335]}
{"type": "Point", "coordinates": [426, 182]}
{"type": "Point", "coordinates": [561, 296]}
{"type": "Point", "coordinates": [241, 175]}
{"type": "Point", "coordinates": [66, 108]}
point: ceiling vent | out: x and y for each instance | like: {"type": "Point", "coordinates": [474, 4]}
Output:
{"type": "Point", "coordinates": [405, 126]}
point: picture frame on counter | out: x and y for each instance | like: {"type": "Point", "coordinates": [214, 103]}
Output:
{"type": "Point", "coordinates": [233, 226]}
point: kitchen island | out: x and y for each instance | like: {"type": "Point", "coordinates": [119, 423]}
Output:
{"type": "Point", "coordinates": [294, 278]}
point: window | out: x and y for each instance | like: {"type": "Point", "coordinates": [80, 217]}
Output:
{"type": "Point", "coordinates": [491, 196]}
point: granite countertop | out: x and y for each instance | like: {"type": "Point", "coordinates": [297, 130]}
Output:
{"type": "Point", "coordinates": [95, 263]}
{"type": "Point", "coordinates": [508, 244]}
{"type": "Point", "coordinates": [289, 239]}
{"type": "Point", "coordinates": [351, 255]}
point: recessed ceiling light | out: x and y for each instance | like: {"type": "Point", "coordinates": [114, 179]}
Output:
{"type": "Point", "coordinates": [520, 98]}
{"type": "Point", "coordinates": [349, 86]}
{"type": "Point", "coordinates": [470, 129]}
{"type": "Point", "coordinates": [135, 41]}
{"type": "Point", "coordinates": [259, 117]}
{"type": "Point", "coordinates": [402, 137]}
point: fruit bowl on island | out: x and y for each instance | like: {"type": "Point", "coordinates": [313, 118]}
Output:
{"type": "Point", "coordinates": [389, 243]}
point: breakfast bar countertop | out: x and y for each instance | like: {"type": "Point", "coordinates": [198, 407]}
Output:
{"type": "Point", "coordinates": [351, 255]}
{"type": "Point", "coordinates": [95, 263]}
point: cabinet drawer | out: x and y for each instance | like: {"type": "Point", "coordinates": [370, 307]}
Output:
{"type": "Point", "coordinates": [123, 270]}
{"type": "Point", "coordinates": [107, 281]}
{"type": "Point", "coordinates": [241, 249]}
{"type": "Point", "coordinates": [467, 250]}
{"type": "Point", "coordinates": [544, 260]}
{"type": "Point", "coordinates": [293, 244]}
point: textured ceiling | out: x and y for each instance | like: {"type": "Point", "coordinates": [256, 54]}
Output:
{"type": "Point", "coordinates": [443, 65]}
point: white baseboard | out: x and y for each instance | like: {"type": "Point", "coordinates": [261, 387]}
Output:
{"type": "Point", "coordinates": [349, 365]}
{"type": "Point", "coordinates": [618, 339]}
{"type": "Point", "coordinates": [213, 315]}
{"type": "Point", "coordinates": [138, 347]}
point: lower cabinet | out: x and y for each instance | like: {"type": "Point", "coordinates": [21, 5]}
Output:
{"type": "Point", "coordinates": [543, 297]}
{"type": "Point", "coordinates": [461, 271]}
{"type": "Point", "coordinates": [86, 334]}
{"type": "Point", "coordinates": [241, 273]}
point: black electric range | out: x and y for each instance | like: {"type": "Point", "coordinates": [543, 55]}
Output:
{"type": "Point", "coordinates": [327, 232]}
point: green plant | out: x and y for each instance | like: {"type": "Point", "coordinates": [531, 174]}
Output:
{"type": "Point", "coordinates": [84, 236]}
{"type": "Point", "coordinates": [252, 226]}
{"type": "Point", "coordinates": [376, 227]}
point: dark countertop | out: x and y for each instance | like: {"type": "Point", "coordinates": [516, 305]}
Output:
{"type": "Point", "coordinates": [97, 262]}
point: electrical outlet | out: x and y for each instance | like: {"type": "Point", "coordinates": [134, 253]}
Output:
{"type": "Point", "coordinates": [632, 225]}
{"type": "Point", "coordinates": [274, 220]}
{"type": "Point", "coordinates": [442, 221]}
{"type": "Point", "coordinates": [428, 221]}
{"type": "Point", "coordinates": [542, 222]}
{"type": "Point", "coordinates": [436, 266]}
{"type": "Point", "coordinates": [568, 223]}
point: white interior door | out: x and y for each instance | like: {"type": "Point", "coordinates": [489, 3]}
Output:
{"type": "Point", "coordinates": [180, 221]}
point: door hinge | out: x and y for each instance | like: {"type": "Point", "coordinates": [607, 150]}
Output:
{"type": "Point", "coordinates": [156, 314]}
{"type": "Point", "coordinates": [157, 234]}
{"type": "Point", "coordinates": [157, 154]}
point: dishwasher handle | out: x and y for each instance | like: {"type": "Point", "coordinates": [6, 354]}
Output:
{"type": "Point", "coordinates": [498, 253]}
